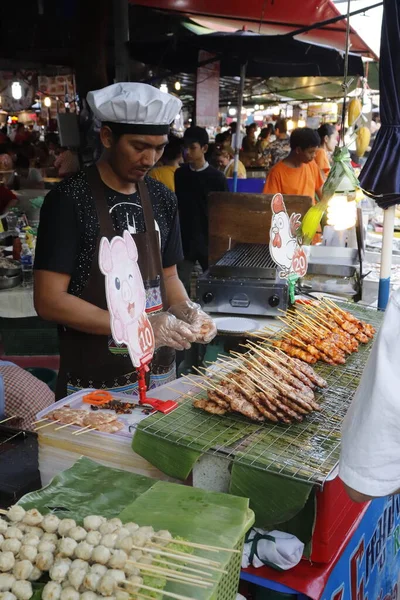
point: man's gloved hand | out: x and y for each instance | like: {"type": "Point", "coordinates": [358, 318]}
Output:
{"type": "Point", "coordinates": [191, 313]}
{"type": "Point", "coordinates": [172, 332]}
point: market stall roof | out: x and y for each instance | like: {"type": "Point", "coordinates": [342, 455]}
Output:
{"type": "Point", "coordinates": [264, 55]}
{"type": "Point", "coordinates": [295, 17]}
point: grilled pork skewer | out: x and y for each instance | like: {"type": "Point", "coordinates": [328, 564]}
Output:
{"type": "Point", "coordinates": [295, 352]}
{"type": "Point", "coordinates": [309, 372]}
{"type": "Point", "coordinates": [208, 406]}
{"type": "Point", "coordinates": [238, 403]}
{"type": "Point", "coordinates": [292, 366]}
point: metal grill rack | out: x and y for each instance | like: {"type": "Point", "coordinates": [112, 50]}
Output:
{"type": "Point", "coordinates": [246, 260]}
{"type": "Point", "coordinates": [306, 451]}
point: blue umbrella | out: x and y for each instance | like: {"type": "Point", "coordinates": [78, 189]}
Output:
{"type": "Point", "coordinates": [381, 173]}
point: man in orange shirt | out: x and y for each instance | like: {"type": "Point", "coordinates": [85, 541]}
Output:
{"type": "Point", "coordinates": [298, 173]}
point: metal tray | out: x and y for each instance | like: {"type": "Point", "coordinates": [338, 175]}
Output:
{"type": "Point", "coordinates": [12, 270]}
{"type": "Point", "coordinates": [6, 283]}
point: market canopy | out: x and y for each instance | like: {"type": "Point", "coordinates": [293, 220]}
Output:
{"type": "Point", "coordinates": [266, 56]}
{"type": "Point", "coordinates": [295, 17]}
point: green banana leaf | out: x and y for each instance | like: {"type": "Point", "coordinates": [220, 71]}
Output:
{"type": "Point", "coordinates": [187, 435]}
{"type": "Point", "coordinates": [341, 167]}
{"type": "Point", "coordinates": [88, 488]}
{"type": "Point", "coordinates": [189, 513]}
{"type": "Point", "coordinates": [278, 502]}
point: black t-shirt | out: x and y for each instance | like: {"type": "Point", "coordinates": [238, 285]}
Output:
{"type": "Point", "coordinates": [69, 226]}
{"type": "Point", "coordinates": [192, 189]}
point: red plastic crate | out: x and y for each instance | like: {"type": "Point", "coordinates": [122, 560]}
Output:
{"type": "Point", "coordinates": [336, 514]}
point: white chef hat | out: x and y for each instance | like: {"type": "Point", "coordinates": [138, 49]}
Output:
{"type": "Point", "coordinates": [134, 108]}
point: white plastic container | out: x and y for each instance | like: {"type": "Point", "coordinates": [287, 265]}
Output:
{"type": "Point", "coordinates": [59, 449]}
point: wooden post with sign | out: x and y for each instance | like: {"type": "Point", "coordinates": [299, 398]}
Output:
{"type": "Point", "coordinates": [207, 91]}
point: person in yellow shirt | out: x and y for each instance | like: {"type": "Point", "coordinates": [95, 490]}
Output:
{"type": "Point", "coordinates": [224, 159]}
{"type": "Point", "coordinates": [298, 173]}
{"type": "Point", "coordinates": [172, 159]}
{"type": "Point", "coordinates": [329, 140]}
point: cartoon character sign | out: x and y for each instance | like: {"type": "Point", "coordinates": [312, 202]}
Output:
{"type": "Point", "coordinates": [283, 243]}
{"type": "Point", "coordinates": [126, 297]}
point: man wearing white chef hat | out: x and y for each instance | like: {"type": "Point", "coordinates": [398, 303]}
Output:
{"type": "Point", "coordinates": [370, 456]}
{"type": "Point", "coordinates": [104, 200]}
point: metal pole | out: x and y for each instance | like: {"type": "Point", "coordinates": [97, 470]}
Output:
{"type": "Point", "coordinates": [121, 39]}
{"type": "Point", "coordinates": [238, 125]}
{"type": "Point", "coordinates": [386, 257]}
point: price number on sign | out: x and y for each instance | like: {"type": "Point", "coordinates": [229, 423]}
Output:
{"type": "Point", "coordinates": [146, 337]}
{"type": "Point", "coordinates": [299, 262]}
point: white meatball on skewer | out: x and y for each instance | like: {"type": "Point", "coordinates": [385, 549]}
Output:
{"type": "Point", "coordinates": [44, 561]}
{"type": "Point", "coordinates": [65, 525]}
{"type": "Point", "coordinates": [32, 517]}
{"type": "Point", "coordinates": [101, 555]}
{"type": "Point", "coordinates": [30, 539]}
{"type": "Point", "coordinates": [51, 591]}
{"type": "Point", "coordinates": [46, 547]}
{"type": "Point", "coordinates": [16, 513]}
{"type": "Point", "coordinates": [84, 551]}
{"type": "Point", "coordinates": [78, 563]}
{"type": "Point", "coordinates": [67, 546]}
{"type": "Point", "coordinates": [69, 593]}
{"type": "Point", "coordinates": [76, 578]}
{"type": "Point", "coordinates": [94, 538]}
{"type": "Point", "coordinates": [50, 537]}
{"type": "Point", "coordinates": [93, 522]}
{"type": "Point", "coordinates": [7, 561]}
{"type": "Point", "coordinates": [109, 540]}
{"type": "Point", "coordinates": [35, 575]}
{"type": "Point", "coordinates": [89, 596]}
{"type": "Point", "coordinates": [22, 589]}
{"type": "Point", "coordinates": [22, 569]}
{"type": "Point", "coordinates": [91, 581]}
{"type": "Point", "coordinates": [13, 533]}
{"type": "Point", "coordinates": [98, 569]}
{"type": "Point", "coordinates": [118, 559]}
{"type": "Point", "coordinates": [28, 552]}
{"type": "Point", "coordinates": [50, 523]}
{"type": "Point", "coordinates": [59, 570]}
{"type": "Point", "coordinates": [6, 581]}
{"type": "Point", "coordinates": [11, 545]}
{"type": "Point", "coordinates": [8, 596]}
{"type": "Point", "coordinates": [3, 526]}
{"type": "Point", "coordinates": [107, 585]}
{"type": "Point", "coordinates": [77, 533]}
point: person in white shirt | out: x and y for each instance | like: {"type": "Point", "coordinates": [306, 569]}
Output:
{"type": "Point", "coordinates": [370, 455]}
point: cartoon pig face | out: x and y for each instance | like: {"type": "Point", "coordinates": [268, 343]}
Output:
{"type": "Point", "coordinates": [126, 297]}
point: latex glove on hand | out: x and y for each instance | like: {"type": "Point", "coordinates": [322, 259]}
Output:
{"type": "Point", "coordinates": [170, 331]}
{"type": "Point", "coordinates": [199, 321]}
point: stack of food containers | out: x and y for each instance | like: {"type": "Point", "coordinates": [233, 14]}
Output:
{"type": "Point", "coordinates": [60, 446]}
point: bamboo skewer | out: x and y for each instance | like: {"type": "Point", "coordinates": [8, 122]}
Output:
{"type": "Point", "coordinates": [65, 425]}
{"type": "Point", "coordinates": [184, 568]}
{"type": "Point", "coordinates": [184, 578]}
{"type": "Point", "coordinates": [40, 420]}
{"type": "Point", "coordinates": [152, 589]}
{"type": "Point", "coordinates": [9, 419]}
{"type": "Point", "coordinates": [47, 424]}
{"type": "Point", "coordinates": [177, 555]}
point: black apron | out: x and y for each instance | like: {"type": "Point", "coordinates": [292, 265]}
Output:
{"type": "Point", "coordinates": [95, 361]}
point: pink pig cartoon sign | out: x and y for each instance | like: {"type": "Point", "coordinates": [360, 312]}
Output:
{"type": "Point", "coordinates": [126, 297]}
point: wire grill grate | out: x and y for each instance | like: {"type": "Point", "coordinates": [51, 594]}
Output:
{"type": "Point", "coordinates": [306, 451]}
{"type": "Point", "coordinates": [246, 260]}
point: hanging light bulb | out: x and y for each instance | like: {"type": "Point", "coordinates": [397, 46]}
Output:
{"type": "Point", "coordinates": [47, 102]}
{"type": "Point", "coordinates": [232, 112]}
{"type": "Point", "coordinates": [342, 214]}
{"type": "Point", "coordinates": [290, 125]}
{"type": "Point", "coordinates": [177, 85]}
{"type": "Point", "coordinates": [164, 88]}
{"type": "Point", "coordinates": [16, 90]}
{"type": "Point", "coordinates": [256, 107]}
{"type": "Point", "coordinates": [301, 123]}
{"type": "Point", "coordinates": [261, 106]}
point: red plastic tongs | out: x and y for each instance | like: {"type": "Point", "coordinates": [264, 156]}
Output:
{"type": "Point", "coordinates": [164, 406]}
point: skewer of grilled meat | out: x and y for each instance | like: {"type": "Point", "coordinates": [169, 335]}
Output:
{"type": "Point", "coordinates": [309, 371]}
{"type": "Point", "coordinates": [293, 367]}
{"type": "Point", "coordinates": [271, 399]}
{"type": "Point", "coordinates": [238, 402]}
{"type": "Point", "coordinates": [295, 352]}
{"type": "Point", "coordinates": [209, 406]}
